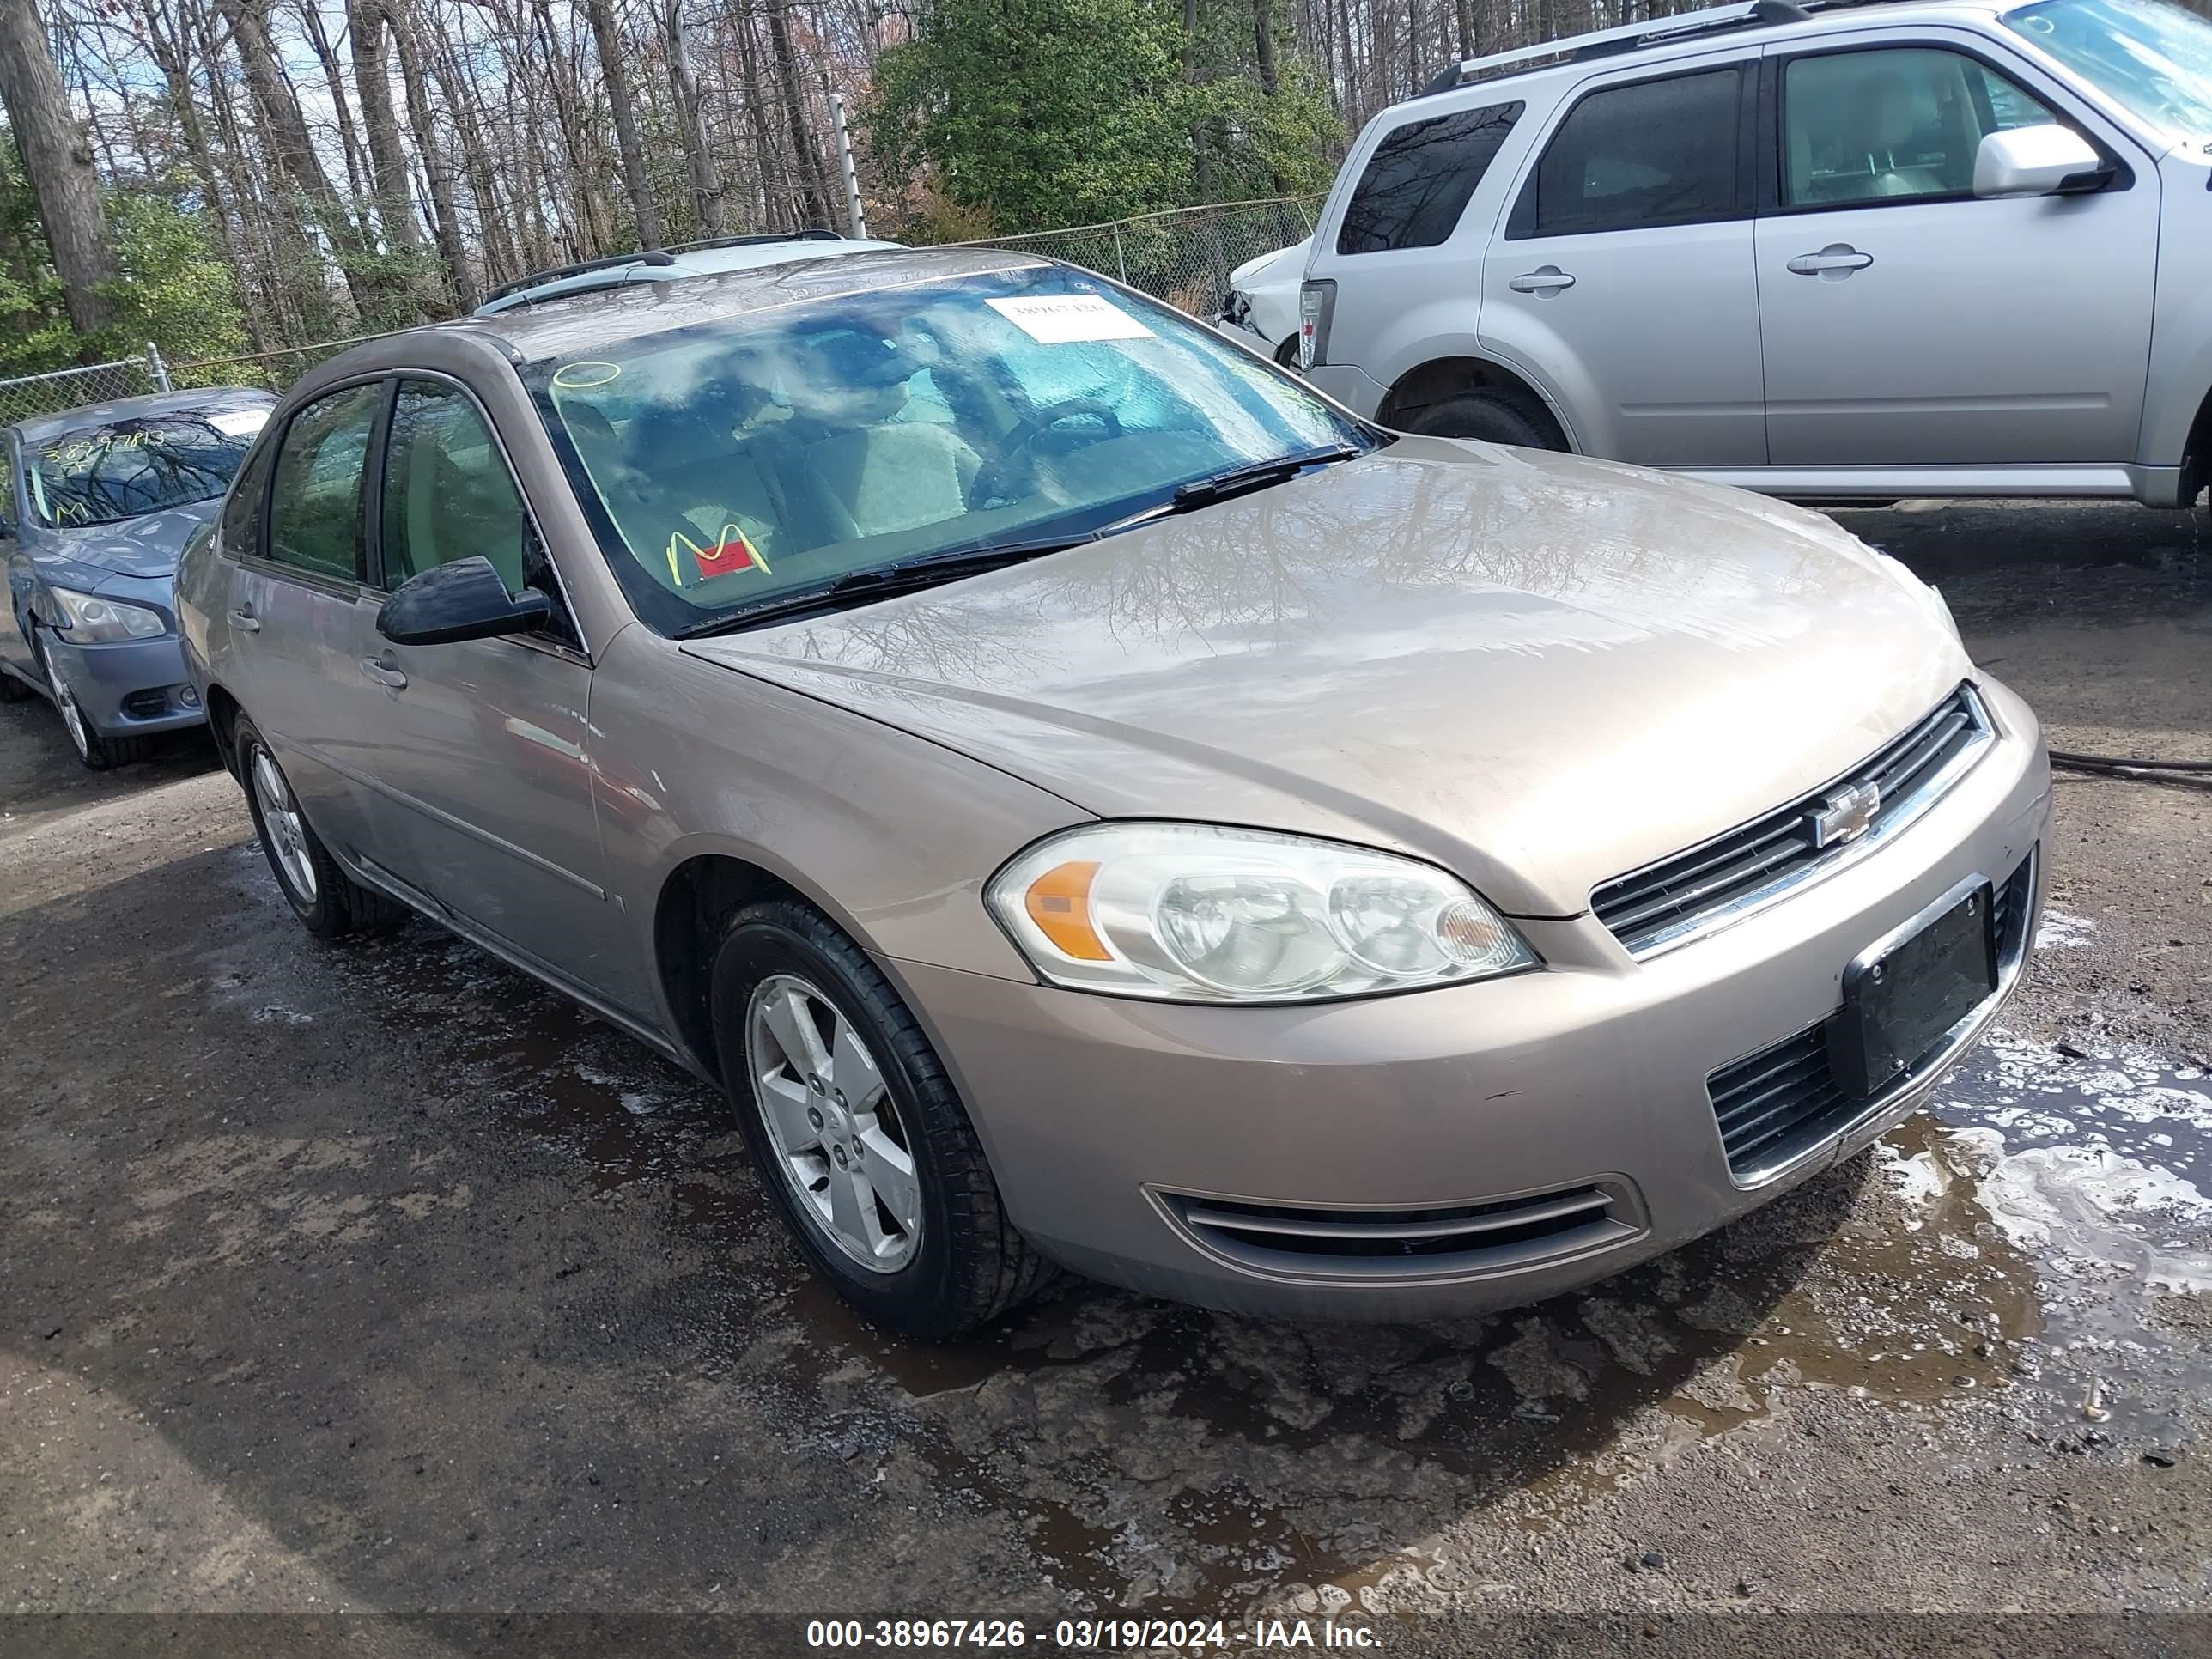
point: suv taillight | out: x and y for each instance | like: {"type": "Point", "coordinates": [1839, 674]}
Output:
{"type": "Point", "coordinates": [1316, 304]}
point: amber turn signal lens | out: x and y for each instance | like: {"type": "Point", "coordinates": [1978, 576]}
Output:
{"type": "Point", "coordinates": [1058, 902]}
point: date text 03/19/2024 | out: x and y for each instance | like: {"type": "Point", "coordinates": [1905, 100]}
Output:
{"type": "Point", "coordinates": [1092, 1635]}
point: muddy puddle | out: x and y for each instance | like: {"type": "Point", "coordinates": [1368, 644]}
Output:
{"type": "Point", "coordinates": [2024, 1240]}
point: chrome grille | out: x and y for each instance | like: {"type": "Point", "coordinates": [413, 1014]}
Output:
{"type": "Point", "coordinates": [1775, 1105]}
{"type": "Point", "coordinates": [1739, 870]}
{"type": "Point", "coordinates": [1490, 1237]}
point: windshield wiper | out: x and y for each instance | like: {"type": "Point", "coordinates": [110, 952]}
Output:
{"type": "Point", "coordinates": [903, 577]}
{"type": "Point", "coordinates": [1256, 475]}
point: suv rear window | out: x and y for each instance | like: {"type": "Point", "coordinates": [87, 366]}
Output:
{"type": "Point", "coordinates": [1657, 153]}
{"type": "Point", "coordinates": [1418, 182]}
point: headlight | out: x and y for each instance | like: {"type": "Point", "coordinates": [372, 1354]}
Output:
{"type": "Point", "coordinates": [1199, 914]}
{"type": "Point", "coordinates": [87, 619]}
{"type": "Point", "coordinates": [1930, 597]}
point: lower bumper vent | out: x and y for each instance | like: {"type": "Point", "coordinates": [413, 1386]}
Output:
{"type": "Point", "coordinates": [1495, 1237]}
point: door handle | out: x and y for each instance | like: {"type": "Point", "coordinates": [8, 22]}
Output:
{"type": "Point", "coordinates": [385, 672]}
{"type": "Point", "coordinates": [1545, 280]}
{"type": "Point", "coordinates": [1834, 262]}
{"type": "Point", "coordinates": [245, 621]}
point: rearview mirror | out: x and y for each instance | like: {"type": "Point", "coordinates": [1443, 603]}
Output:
{"type": "Point", "coordinates": [463, 600]}
{"type": "Point", "coordinates": [2036, 161]}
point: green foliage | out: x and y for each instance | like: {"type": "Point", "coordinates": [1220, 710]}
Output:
{"type": "Point", "coordinates": [175, 288]}
{"type": "Point", "coordinates": [1041, 112]}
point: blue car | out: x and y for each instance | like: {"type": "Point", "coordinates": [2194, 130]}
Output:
{"type": "Point", "coordinates": [98, 502]}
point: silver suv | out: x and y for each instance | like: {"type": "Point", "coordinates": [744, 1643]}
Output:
{"type": "Point", "coordinates": [1828, 252]}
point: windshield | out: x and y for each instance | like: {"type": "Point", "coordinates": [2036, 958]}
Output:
{"type": "Point", "coordinates": [768, 453]}
{"type": "Point", "coordinates": [2155, 59]}
{"type": "Point", "coordinates": [105, 474]}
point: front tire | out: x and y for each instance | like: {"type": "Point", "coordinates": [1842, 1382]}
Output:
{"type": "Point", "coordinates": [329, 902]}
{"type": "Point", "coordinates": [858, 1134]}
{"type": "Point", "coordinates": [1489, 416]}
{"type": "Point", "coordinates": [95, 752]}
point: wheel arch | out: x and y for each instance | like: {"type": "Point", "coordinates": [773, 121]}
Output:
{"type": "Point", "coordinates": [223, 713]}
{"type": "Point", "coordinates": [697, 897]}
{"type": "Point", "coordinates": [1440, 378]}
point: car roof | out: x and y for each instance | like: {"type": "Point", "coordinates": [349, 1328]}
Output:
{"type": "Point", "coordinates": [607, 316]}
{"type": "Point", "coordinates": [1659, 38]}
{"type": "Point", "coordinates": [674, 264]}
{"type": "Point", "coordinates": [208, 400]}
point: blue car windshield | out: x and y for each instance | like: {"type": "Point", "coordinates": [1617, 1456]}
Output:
{"type": "Point", "coordinates": [759, 453]}
{"type": "Point", "coordinates": [2153, 58]}
{"type": "Point", "coordinates": [126, 469]}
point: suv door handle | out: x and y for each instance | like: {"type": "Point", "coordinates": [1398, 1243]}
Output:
{"type": "Point", "coordinates": [385, 672]}
{"type": "Point", "coordinates": [1546, 279]}
{"type": "Point", "coordinates": [1835, 261]}
{"type": "Point", "coordinates": [245, 621]}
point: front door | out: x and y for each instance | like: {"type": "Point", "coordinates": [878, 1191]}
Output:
{"type": "Point", "coordinates": [1908, 322]}
{"type": "Point", "coordinates": [484, 771]}
{"type": "Point", "coordinates": [1623, 278]}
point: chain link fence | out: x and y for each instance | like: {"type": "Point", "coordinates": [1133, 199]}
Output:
{"type": "Point", "coordinates": [29, 395]}
{"type": "Point", "coordinates": [272, 371]}
{"type": "Point", "coordinates": [1183, 256]}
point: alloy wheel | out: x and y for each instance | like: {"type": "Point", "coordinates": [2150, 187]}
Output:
{"type": "Point", "coordinates": [287, 829]}
{"type": "Point", "coordinates": [838, 1138]}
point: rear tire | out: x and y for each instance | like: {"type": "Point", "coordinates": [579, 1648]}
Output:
{"type": "Point", "coordinates": [11, 689]}
{"type": "Point", "coordinates": [1486, 415]}
{"type": "Point", "coordinates": [1287, 353]}
{"type": "Point", "coordinates": [860, 1137]}
{"type": "Point", "coordinates": [329, 902]}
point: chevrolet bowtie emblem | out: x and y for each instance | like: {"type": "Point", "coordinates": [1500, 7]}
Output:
{"type": "Point", "coordinates": [1846, 815]}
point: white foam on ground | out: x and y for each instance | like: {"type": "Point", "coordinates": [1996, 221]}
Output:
{"type": "Point", "coordinates": [2095, 1207]}
{"type": "Point", "coordinates": [2058, 930]}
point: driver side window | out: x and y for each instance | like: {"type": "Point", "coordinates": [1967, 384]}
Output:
{"type": "Point", "coordinates": [1901, 125]}
{"type": "Point", "coordinates": [447, 492]}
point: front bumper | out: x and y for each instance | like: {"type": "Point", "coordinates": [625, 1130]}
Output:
{"type": "Point", "coordinates": [130, 688]}
{"type": "Point", "coordinates": [1111, 1123]}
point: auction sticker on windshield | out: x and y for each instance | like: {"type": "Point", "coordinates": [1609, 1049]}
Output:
{"type": "Point", "coordinates": [1068, 318]}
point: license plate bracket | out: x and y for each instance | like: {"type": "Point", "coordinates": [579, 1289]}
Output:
{"type": "Point", "coordinates": [1902, 996]}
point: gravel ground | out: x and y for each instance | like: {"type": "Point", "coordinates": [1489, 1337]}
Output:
{"type": "Point", "coordinates": [376, 1278]}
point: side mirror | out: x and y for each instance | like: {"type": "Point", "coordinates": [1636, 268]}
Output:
{"type": "Point", "coordinates": [463, 600]}
{"type": "Point", "coordinates": [2037, 162]}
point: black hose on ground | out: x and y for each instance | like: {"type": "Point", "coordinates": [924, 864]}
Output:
{"type": "Point", "coordinates": [2122, 763]}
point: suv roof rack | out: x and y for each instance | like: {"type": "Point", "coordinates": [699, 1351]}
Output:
{"type": "Point", "coordinates": [762, 239]}
{"type": "Point", "coordinates": [657, 256]}
{"type": "Point", "coordinates": [1632, 37]}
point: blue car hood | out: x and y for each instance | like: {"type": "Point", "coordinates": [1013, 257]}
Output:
{"type": "Point", "coordinates": [146, 547]}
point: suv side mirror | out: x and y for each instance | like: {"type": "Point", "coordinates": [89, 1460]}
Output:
{"type": "Point", "coordinates": [463, 600]}
{"type": "Point", "coordinates": [2037, 162]}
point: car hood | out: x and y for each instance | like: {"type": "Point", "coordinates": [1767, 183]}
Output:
{"type": "Point", "coordinates": [1289, 262]}
{"type": "Point", "coordinates": [1537, 670]}
{"type": "Point", "coordinates": [146, 547]}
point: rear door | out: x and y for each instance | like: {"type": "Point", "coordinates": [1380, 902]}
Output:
{"type": "Point", "coordinates": [1622, 278]}
{"type": "Point", "coordinates": [484, 767]}
{"type": "Point", "coordinates": [299, 618]}
{"type": "Point", "coordinates": [1908, 322]}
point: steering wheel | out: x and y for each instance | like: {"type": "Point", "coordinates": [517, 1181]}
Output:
{"type": "Point", "coordinates": [990, 477]}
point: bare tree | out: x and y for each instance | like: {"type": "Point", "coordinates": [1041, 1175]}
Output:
{"type": "Point", "coordinates": [59, 164]}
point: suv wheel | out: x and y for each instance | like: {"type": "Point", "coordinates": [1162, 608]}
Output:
{"type": "Point", "coordinates": [855, 1129]}
{"type": "Point", "coordinates": [1489, 416]}
{"type": "Point", "coordinates": [329, 902]}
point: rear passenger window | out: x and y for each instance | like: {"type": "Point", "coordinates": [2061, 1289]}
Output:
{"type": "Point", "coordinates": [241, 512]}
{"type": "Point", "coordinates": [314, 505]}
{"type": "Point", "coordinates": [1419, 179]}
{"type": "Point", "coordinates": [1658, 153]}
{"type": "Point", "coordinates": [447, 492]}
